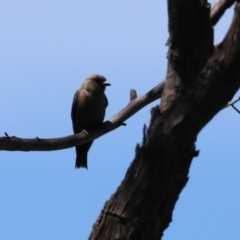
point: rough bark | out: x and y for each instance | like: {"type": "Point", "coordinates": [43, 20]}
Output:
{"type": "Point", "coordinates": [201, 79]}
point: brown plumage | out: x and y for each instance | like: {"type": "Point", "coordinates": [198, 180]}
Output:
{"type": "Point", "coordinates": [88, 110]}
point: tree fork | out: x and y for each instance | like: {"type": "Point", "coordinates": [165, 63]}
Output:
{"type": "Point", "coordinates": [142, 206]}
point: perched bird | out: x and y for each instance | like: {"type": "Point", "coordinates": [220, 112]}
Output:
{"type": "Point", "coordinates": [88, 110]}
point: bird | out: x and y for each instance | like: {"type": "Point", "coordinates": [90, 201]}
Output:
{"type": "Point", "coordinates": [88, 111]}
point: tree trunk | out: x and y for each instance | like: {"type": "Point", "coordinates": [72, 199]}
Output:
{"type": "Point", "coordinates": [201, 80]}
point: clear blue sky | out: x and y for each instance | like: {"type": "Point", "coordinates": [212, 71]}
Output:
{"type": "Point", "coordinates": [47, 49]}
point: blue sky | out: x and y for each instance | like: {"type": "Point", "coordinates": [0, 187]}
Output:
{"type": "Point", "coordinates": [47, 49]}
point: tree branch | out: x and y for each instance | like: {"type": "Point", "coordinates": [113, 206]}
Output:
{"type": "Point", "coordinates": [13, 143]}
{"type": "Point", "coordinates": [219, 9]}
{"type": "Point", "coordinates": [232, 105]}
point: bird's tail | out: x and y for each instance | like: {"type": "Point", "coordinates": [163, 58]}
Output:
{"type": "Point", "coordinates": [81, 158]}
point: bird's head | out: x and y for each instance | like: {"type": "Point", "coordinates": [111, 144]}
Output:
{"type": "Point", "coordinates": [96, 82]}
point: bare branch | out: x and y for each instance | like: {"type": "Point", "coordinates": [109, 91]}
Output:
{"type": "Point", "coordinates": [232, 105]}
{"type": "Point", "coordinates": [219, 9]}
{"type": "Point", "coordinates": [12, 143]}
{"type": "Point", "coordinates": [236, 109]}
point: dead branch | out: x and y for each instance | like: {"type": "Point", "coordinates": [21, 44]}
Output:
{"type": "Point", "coordinates": [13, 143]}
{"type": "Point", "coordinates": [219, 9]}
{"type": "Point", "coordinates": [232, 105]}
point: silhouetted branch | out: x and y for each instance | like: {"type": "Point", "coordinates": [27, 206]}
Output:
{"type": "Point", "coordinates": [236, 109]}
{"type": "Point", "coordinates": [12, 143]}
{"type": "Point", "coordinates": [219, 9]}
{"type": "Point", "coordinates": [232, 105]}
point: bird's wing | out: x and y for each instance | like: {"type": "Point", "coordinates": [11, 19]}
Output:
{"type": "Point", "coordinates": [106, 100]}
{"type": "Point", "coordinates": [74, 107]}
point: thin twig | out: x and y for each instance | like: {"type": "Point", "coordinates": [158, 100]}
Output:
{"type": "Point", "coordinates": [231, 104]}
{"type": "Point", "coordinates": [236, 109]}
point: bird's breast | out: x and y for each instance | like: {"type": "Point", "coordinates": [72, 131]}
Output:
{"type": "Point", "coordinates": [90, 109]}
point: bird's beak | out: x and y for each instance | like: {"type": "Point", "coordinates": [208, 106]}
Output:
{"type": "Point", "coordinates": [106, 83]}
